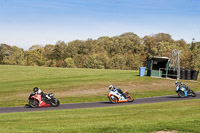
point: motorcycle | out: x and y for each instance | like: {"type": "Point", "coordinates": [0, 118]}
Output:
{"type": "Point", "coordinates": [116, 97]}
{"type": "Point", "coordinates": [184, 91]}
{"type": "Point", "coordinates": [36, 100]}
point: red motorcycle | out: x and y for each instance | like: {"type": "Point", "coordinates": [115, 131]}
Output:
{"type": "Point", "coordinates": [36, 100]}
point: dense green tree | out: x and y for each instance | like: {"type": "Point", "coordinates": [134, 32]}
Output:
{"type": "Point", "coordinates": [126, 51]}
{"type": "Point", "coordinates": [80, 60]}
{"type": "Point", "coordinates": [97, 61]}
{"type": "Point", "coordinates": [117, 62]}
{"type": "Point", "coordinates": [48, 51]}
{"type": "Point", "coordinates": [35, 56]}
{"type": "Point", "coordinates": [132, 62]}
{"type": "Point", "coordinates": [195, 57]}
{"type": "Point", "coordinates": [161, 44]}
{"type": "Point", "coordinates": [5, 51]}
{"type": "Point", "coordinates": [59, 52]}
{"type": "Point", "coordinates": [69, 63]}
{"type": "Point", "coordinates": [1, 54]}
{"type": "Point", "coordinates": [15, 57]}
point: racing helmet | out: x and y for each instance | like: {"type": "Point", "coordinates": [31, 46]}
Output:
{"type": "Point", "coordinates": [111, 87]}
{"type": "Point", "coordinates": [35, 89]}
{"type": "Point", "coordinates": [176, 82]}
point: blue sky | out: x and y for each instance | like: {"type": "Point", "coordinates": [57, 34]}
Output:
{"type": "Point", "coordinates": [28, 22]}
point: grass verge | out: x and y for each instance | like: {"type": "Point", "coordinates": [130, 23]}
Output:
{"type": "Point", "coordinates": [78, 85]}
{"type": "Point", "coordinates": [182, 116]}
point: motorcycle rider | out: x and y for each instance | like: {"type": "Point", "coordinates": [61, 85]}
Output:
{"type": "Point", "coordinates": [111, 87]}
{"type": "Point", "coordinates": [36, 90]}
{"type": "Point", "coordinates": [182, 85]}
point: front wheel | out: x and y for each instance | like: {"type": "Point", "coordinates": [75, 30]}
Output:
{"type": "Point", "coordinates": [33, 103]}
{"type": "Point", "coordinates": [181, 94]}
{"type": "Point", "coordinates": [130, 98]}
{"type": "Point", "coordinates": [113, 99]}
{"type": "Point", "coordinates": [55, 102]}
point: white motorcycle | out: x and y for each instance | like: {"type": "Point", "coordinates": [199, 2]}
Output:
{"type": "Point", "coordinates": [116, 97]}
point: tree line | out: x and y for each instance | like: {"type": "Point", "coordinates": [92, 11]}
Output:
{"type": "Point", "coordinates": [127, 51]}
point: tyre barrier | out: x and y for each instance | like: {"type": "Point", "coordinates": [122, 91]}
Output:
{"type": "Point", "coordinates": [172, 72]}
{"type": "Point", "coordinates": [182, 74]}
{"type": "Point", "coordinates": [185, 74]}
{"type": "Point", "coordinates": [194, 74]}
{"type": "Point", "coordinates": [188, 74]}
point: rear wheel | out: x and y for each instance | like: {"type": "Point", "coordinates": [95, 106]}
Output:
{"type": "Point", "coordinates": [181, 94]}
{"type": "Point", "coordinates": [130, 98]}
{"type": "Point", "coordinates": [33, 103]}
{"type": "Point", "coordinates": [55, 102]}
{"type": "Point", "coordinates": [193, 93]}
{"type": "Point", "coordinates": [113, 99]}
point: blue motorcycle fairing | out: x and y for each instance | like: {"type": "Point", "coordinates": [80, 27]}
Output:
{"type": "Point", "coordinates": [185, 93]}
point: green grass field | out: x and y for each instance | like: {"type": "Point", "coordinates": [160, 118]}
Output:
{"type": "Point", "coordinates": [182, 116]}
{"type": "Point", "coordinates": [90, 85]}
{"type": "Point", "coordinates": [78, 85]}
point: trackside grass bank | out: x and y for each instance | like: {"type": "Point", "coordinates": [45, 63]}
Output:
{"type": "Point", "coordinates": [182, 116]}
{"type": "Point", "coordinates": [78, 85]}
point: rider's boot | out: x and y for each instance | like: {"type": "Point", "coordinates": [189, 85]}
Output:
{"type": "Point", "coordinates": [48, 97]}
{"type": "Point", "coordinates": [124, 95]}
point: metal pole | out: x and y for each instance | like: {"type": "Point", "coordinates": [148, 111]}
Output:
{"type": "Point", "coordinates": [178, 76]}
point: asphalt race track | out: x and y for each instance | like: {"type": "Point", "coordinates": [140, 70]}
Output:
{"type": "Point", "coordinates": [98, 104]}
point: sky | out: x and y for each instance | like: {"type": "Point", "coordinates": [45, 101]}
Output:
{"type": "Point", "coordinates": [24, 23]}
